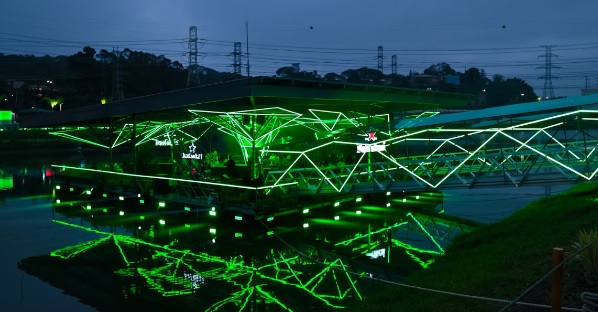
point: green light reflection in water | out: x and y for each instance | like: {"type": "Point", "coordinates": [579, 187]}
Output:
{"type": "Point", "coordinates": [283, 271]}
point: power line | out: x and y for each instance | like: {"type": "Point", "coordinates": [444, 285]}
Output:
{"type": "Point", "coordinates": [334, 59]}
{"type": "Point", "coordinates": [381, 59]}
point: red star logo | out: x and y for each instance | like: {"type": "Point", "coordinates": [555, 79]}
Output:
{"type": "Point", "coordinates": [371, 136]}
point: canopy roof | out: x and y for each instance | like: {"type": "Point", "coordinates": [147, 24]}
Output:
{"type": "Point", "coordinates": [253, 93]}
{"type": "Point", "coordinates": [524, 111]}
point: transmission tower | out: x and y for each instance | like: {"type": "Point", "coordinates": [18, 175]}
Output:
{"type": "Point", "coordinates": [193, 78]}
{"type": "Point", "coordinates": [393, 65]}
{"type": "Point", "coordinates": [247, 48]}
{"type": "Point", "coordinates": [380, 59]}
{"type": "Point", "coordinates": [548, 92]}
{"type": "Point", "coordinates": [237, 59]}
{"type": "Point", "coordinates": [117, 86]}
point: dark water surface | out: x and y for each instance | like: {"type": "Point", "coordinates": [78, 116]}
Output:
{"type": "Point", "coordinates": [26, 227]}
{"type": "Point", "coordinates": [488, 205]}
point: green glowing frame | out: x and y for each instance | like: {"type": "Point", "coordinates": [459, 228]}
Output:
{"type": "Point", "coordinates": [82, 134]}
{"type": "Point", "coordinates": [145, 132]}
{"type": "Point", "coordinates": [264, 187]}
{"type": "Point", "coordinates": [524, 153]}
{"type": "Point", "coordinates": [412, 224]}
{"type": "Point", "coordinates": [248, 136]}
{"type": "Point", "coordinates": [461, 157]}
{"type": "Point", "coordinates": [282, 272]}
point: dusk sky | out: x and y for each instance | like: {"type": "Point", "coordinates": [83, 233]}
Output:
{"type": "Point", "coordinates": [325, 35]}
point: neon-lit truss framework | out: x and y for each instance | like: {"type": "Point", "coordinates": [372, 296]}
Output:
{"type": "Point", "coordinates": [174, 133]}
{"type": "Point", "coordinates": [556, 149]}
{"type": "Point", "coordinates": [262, 128]}
{"type": "Point", "coordinates": [329, 286]}
{"type": "Point", "coordinates": [169, 271]}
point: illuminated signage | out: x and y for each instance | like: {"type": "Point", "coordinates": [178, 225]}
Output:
{"type": "Point", "coordinates": [368, 148]}
{"type": "Point", "coordinates": [191, 154]}
{"type": "Point", "coordinates": [165, 142]}
{"type": "Point", "coordinates": [371, 137]}
{"type": "Point", "coordinates": [376, 253]}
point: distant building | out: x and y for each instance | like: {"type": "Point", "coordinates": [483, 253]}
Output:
{"type": "Point", "coordinates": [452, 79]}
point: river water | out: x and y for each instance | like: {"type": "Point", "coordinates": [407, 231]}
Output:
{"type": "Point", "coordinates": [26, 228]}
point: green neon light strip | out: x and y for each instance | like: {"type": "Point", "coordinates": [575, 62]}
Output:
{"type": "Point", "coordinates": [176, 179]}
{"type": "Point", "coordinates": [72, 137]}
{"type": "Point", "coordinates": [72, 251]}
{"type": "Point", "coordinates": [323, 122]}
{"type": "Point", "coordinates": [539, 121]}
{"type": "Point", "coordinates": [122, 253]}
{"type": "Point", "coordinates": [406, 246]}
{"type": "Point", "coordinates": [138, 241]}
{"type": "Point", "coordinates": [552, 159]}
{"type": "Point", "coordinates": [154, 276]}
{"type": "Point", "coordinates": [424, 230]}
{"type": "Point", "coordinates": [276, 130]}
{"type": "Point", "coordinates": [338, 118]}
{"type": "Point", "coordinates": [267, 295]}
{"type": "Point", "coordinates": [420, 117]}
{"type": "Point", "coordinates": [470, 153]}
{"type": "Point", "coordinates": [147, 134]}
{"type": "Point", "coordinates": [349, 241]}
{"type": "Point", "coordinates": [253, 112]}
{"type": "Point", "coordinates": [423, 264]}
{"type": "Point", "coordinates": [561, 145]}
{"type": "Point", "coordinates": [455, 169]}
{"type": "Point", "coordinates": [304, 288]}
{"type": "Point", "coordinates": [120, 132]}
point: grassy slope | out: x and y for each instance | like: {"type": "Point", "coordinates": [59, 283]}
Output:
{"type": "Point", "coordinates": [502, 260]}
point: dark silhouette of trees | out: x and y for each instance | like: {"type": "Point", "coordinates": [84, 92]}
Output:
{"type": "Point", "coordinates": [334, 77]}
{"type": "Point", "coordinates": [84, 82]}
{"type": "Point", "coordinates": [441, 69]}
{"type": "Point", "coordinates": [363, 75]}
{"type": "Point", "coordinates": [503, 91]}
{"type": "Point", "coordinates": [145, 73]}
{"type": "Point", "coordinates": [473, 81]}
{"type": "Point", "coordinates": [88, 76]}
{"type": "Point", "coordinates": [294, 72]}
{"type": "Point", "coordinates": [397, 81]}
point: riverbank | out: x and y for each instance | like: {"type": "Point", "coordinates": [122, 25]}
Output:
{"type": "Point", "coordinates": [502, 260]}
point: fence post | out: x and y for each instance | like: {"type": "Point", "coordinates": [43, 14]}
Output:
{"type": "Point", "coordinates": [557, 280]}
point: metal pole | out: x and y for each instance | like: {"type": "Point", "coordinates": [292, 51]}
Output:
{"type": "Point", "coordinates": [557, 281]}
{"type": "Point", "coordinates": [134, 140]}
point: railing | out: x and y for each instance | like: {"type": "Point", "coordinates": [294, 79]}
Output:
{"type": "Point", "coordinates": [540, 164]}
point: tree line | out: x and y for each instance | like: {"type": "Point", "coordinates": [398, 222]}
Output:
{"type": "Point", "coordinates": [90, 77]}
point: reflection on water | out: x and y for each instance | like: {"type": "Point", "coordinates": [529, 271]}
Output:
{"type": "Point", "coordinates": [318, 254]}
{"type": "Point", "coordinates": [321, 255]}
{"type": "Point", "coordinates": [6, 180]}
